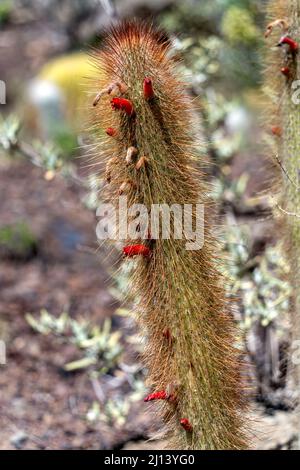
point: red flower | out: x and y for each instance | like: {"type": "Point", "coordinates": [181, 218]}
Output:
{"type": "Point", "coordinates": [134, 250]}
{"type": "Point", "coordinates": [156, 396]}
{"type": "Point", "coordinates": [294, 46]}
{"type": "Point", "coordinates": [123, 105]}
{"type": "Point", "coordinates": [148, 89]}
{"type": "Point", "coordinates": [111, 132]}
{"type": "Point", "coordinates": [186, 425]}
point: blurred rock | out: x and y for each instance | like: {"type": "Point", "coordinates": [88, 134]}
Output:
{"type": "Point", "coordinates": [238, 120]}
{"type": "Point", "coordinates": [19, 439]}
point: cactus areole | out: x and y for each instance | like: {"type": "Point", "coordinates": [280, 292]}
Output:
{"type": "Point", "coordinates": [190, 355]}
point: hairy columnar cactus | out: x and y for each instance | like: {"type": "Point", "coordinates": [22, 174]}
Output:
{"type": "Point", "coordinates": [150, 148]}
{"type": "Point", "coordinates": [282, 74]}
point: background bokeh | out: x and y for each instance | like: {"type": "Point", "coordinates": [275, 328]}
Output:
{"type": "Point", "coordinates": [73, 377]}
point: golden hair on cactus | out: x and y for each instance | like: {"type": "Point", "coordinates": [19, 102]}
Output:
{"type": "Point", "coordinates": [193, 364]}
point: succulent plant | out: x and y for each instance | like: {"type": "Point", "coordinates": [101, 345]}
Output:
{"type": "Point", "coordinates": [282, 82]}
{"type": "Point", "coordinates": [150, 147]}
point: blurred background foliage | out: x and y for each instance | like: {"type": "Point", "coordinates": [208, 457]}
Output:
{"type": "Point", "coordinates": [44, 124]}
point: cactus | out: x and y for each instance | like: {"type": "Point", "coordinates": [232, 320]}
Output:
{"type": "Point", "coordinates": [66, 72]}
{"type": "Point", "coordinates": [281, 77]}
{"type": "Point", "coordinates": [150, 146]}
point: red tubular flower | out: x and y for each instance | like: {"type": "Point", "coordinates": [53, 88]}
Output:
{"type": "Point", "coordinates": [186, 425]}
{"type": "Point", "coordinates": [148, 89]}
{"type": "Point", "coordinates": [156, 396]}
{"type": "Point", "coordinates": [123, 105]}
{"type": "Point", "coordinates": [285, 71]}
{"type": "Point", "coordinates": [167, 334]}
{"type": "Point", "coordinates": [276, 130]}
{"type": "Point", "coordinates": [294, 46]}
{"type": "Point", "coordinates": [111, 132]}
{"type": "Point", "coordinates": [134, 250]}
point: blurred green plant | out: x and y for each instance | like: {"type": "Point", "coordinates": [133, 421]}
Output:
{"type": "Point", "coordinates": [222, 40]}
{"type": "Point", "coordinates": [232, 192]}
{"type": "Point", "coordinates": [93, 185]}
{"type": "Point", "coordinates": [102, 355]}
{"type": "Point", "coordinates": [9, 130]}
{"type": "Point", "coordinates": [238, 26]}
{"type": "Point", "coordinates": [115, 410]}
{"type": "Point", "coordinates": [67, 142]}
{"type": "Point", "coordinates": [6, 7]}
{"type": "Point", "coordinates": [17, 241]}
{"type": "Point", "coordinates": [259, 282]}
{"type": "Point", "coordinates": [201, 59]}
{"type": "Point", "coordinates": [100, 346]}
{"type": "Point", "coordinates": [48, 155]}
{"type": "Point", "coordinates": [226, 139]}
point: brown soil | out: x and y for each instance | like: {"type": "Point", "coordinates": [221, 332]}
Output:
{"type": "Point", "coordinates": [41, 406]}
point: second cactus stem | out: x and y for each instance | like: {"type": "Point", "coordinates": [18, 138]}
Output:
{"type": "Point", "coordinates": [149, 144]}
{"type": "Point", "coordinates": [282, 78]}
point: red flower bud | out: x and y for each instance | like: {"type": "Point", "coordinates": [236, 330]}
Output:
{"type": "Point", "coordinates": [156, 396]}
{"type": "Point", "coordinates": [148, 89]}
{"type": "Point", "coordinates": [123, 105]}
{"type": "Point", "coordinates": [167, 334]}
{"type": "Point", "coordinates": [276, 130]}
{"type": "Point", "coordinates": [134, 250]}
{"type": "Point", "coordinates": [285, 71]}
{"type": "Point", "coordinates": [111, 132]}
{"type": "Point", "coordinates": [294, 46]}
{"type": "Point", "coordinates": [186, 425]}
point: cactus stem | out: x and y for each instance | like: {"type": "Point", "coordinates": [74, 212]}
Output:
{"type": "Point", "coordinates": [286, 109]}
{"type": "Point", "coordinates": [180, 292]}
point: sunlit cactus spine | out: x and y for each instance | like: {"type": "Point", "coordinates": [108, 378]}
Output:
{"type": "Point", "coordinates": [281, 76]}
{"type": "Point", "coordinates": [147, 139]}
